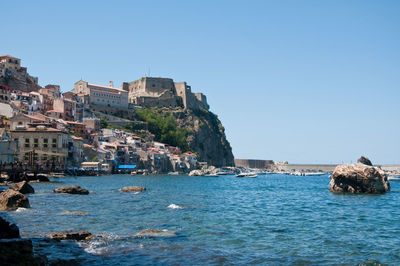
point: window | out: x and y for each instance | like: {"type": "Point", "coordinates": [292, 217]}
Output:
{"type": "Point", "coordinates": [44, 157]}
{"type": "Point", "coordinates": [45, 143]}
{"type": "Point", "coordinates": [26, 156]}
{"type": "Point", "coordinates": [35, 143]}
{"type": "Point", "coordinates": [54, 143]}
{"type": "Point", "coordinates": [27, 144]}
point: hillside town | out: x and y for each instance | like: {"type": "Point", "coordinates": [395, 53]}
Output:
{"type": "Point", "coordinates": [80, 130]}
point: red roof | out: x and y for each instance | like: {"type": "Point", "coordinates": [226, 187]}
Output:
{"type": "Point", "coordinates": [106, 87]}
{"type": "Point", "coordinates": [9, 56]}
{"type": "Point", "coordinates": [35, 118]}
{"type": "Point", "coordinates": [75, 123]}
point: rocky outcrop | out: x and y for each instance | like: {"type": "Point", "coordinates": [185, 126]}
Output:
{"type": "Point", "coordinates": [155, 233]}
{"type": "Point", "coordinates": [8, 230]}
{"type": "Point", "coordinates": [364, 160]}
{"type": "Point", "coordinates": [19, 252]}
{"type": "Point", "coordinates": [13, 249]}
{"type": "Point", "coordinates": [23, 187]}
{"type": "Point", "coordinates": [133, 189]}
{"type": "Point", "coordinates": [70, 235]}
{"type": "Point", "coordinates": [207, 138]}
{"type": "Point", "coordinates": [11, 199]}
{"type": "Point", "coordinates": [358, 178]}
{"type": "Point", "coordinates": [73, 189]}
{"type": "Point", "coordinates": [205, 171]}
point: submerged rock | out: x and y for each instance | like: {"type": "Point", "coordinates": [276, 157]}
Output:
{"type": "Point", "coordinates": [8, 230]}
{"type": "Point", "coordinates": [155, 233]}
{"type": "Point", "coordinates": [358, 178]}
{"type": "Point", "coordinates": [70, 235]}
{"type": "Point", "coordinates": [364, 160]}
{"type": "Point", "coordinates": [73, 213]}
{"type": "Point", "coordinates": [73, 189]}
{"type": "Point", "coordinates": [11, 199]}
{"type": "Point", "coordinates": [133, 189]}
{"type": "Point", "coordinates": [23, 187]}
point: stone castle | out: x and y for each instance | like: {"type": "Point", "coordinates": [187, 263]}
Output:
{"type": "Point", "coordinates": [163, 92]}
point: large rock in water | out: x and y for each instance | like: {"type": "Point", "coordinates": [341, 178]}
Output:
{"type": "Point", "coordinates": [11, 199]}
{"type": "Point", "coordinates": [8, 230]}
{"type": "Point", "coordinates": [23, 187]}
{"type": "Point", "coordinates": [13, 249]}
{"type": "Point", "coordinates": [19, 252]}
{"type": "Point", "coordinates": [70, 235]}
{"type": "Point", "coordinates": [358, 178]}
{"type": "Point", "coordinates": [364, 160]}
{"type": "Point", "coordinates": [73, 189]}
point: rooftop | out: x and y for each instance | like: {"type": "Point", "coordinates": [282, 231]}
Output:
{"type": "Point", "coordinates": [106, 87]}
{"type": "Point", "coordinates": [9, 56]}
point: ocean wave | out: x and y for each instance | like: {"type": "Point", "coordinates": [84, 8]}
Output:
{"type": "Point", "coordinates": [174, 206]}
{"type": "Point", "coordinates": [20, 209]}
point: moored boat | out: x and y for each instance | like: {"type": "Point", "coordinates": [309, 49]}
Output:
{"type": "Point", "coordinates": [246, 174]}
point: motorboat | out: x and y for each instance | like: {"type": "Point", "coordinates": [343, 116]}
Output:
{"type": "Point", "coordinates": [246, 174]}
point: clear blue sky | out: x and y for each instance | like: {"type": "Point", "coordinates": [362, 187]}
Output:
{"type": "Point", "coordinates": [302, 81]}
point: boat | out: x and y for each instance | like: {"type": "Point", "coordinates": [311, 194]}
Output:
{"type": "Point", "coordinates": [173, 173]}
{"type": "Point", "coordinates": [246, 174]}
{"type": "Point", "coordinates": [133, 173]}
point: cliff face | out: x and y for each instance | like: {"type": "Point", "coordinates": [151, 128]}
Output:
{"type": "Point", "coordinates": [207, 137]}
{"type": "Point", "coordinates": [199, 131]}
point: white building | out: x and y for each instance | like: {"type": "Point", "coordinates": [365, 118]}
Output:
{"type": "Point", "coordinates": [101, 95]}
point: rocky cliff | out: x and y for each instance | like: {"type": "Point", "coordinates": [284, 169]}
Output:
{"type": "Point", "coordinates": [201, 130]}
{"type": "Point", "coordinates": [207, 138]}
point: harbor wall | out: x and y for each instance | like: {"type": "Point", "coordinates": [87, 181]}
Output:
{"type": "Point", "coordinates": [251, 163]}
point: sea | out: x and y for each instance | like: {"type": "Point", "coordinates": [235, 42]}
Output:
{"type": "Point", "coordinates": [269, 220]}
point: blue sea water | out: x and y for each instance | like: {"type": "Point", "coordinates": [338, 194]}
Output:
{"type": "Point", "coordinates": [272, 219]}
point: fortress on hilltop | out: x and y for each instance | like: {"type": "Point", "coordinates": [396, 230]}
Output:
{"type": "Point", "coordinates": [160, 92]}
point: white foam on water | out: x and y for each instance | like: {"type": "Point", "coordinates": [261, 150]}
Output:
{"type": "Point", "coordinates": [20, 209]}
{"type": "Point", "coordinates": [174, 206]}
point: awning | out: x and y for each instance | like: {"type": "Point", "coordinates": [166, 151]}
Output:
{"type": "Point", "coordinates": [44, 152]}
{"type": "Point", "coordinates": [127, 166]}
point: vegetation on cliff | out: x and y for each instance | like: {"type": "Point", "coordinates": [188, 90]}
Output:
{"type": "Point", "coordinates": [164, 127]}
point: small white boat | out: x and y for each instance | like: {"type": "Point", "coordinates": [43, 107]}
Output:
{"type": "Point", "coordinates": [173, 173]}
{"type": "Point", "coordinates": [212, 175]}
{"type": "Point", "coordinates": [246, 174]}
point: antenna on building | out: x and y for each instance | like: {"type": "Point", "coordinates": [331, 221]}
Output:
{"type": "Point", "coordinates": [149, 72]}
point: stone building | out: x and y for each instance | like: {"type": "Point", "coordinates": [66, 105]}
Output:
{"type": "Point", "coordinates": [41, 145]}
{"type": "Point", "coordinates": [49, 93]}
{"type": "Point", "coordinates": [21, 121]}
{"type": "Point", "coordinates": [92, 123]}
{"type": "Point", "coordinates": [160, 92]}
{"type": "Point", "coordinates": [101, 95]}
{"type": "Point", "coordinates": [16, 76]}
